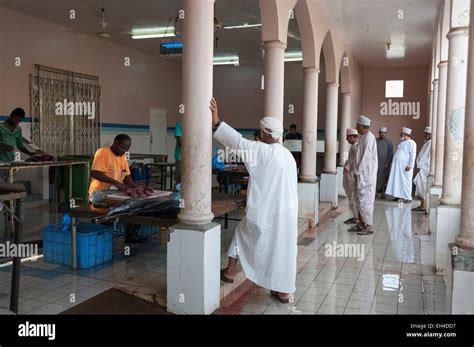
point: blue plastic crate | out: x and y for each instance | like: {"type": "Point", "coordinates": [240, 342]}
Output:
{"type": "Point", "coordinates": [148, 230]}
{"type": "Point", "coordinates": [94, 245]}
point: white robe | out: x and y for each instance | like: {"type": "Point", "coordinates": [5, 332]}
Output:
{"type": "Point", "coordinates": [348, 181]}
{"type": "Point", "coordinates": [423, 163]}
{"type": "Point", "coordinates": [265, 240]}
{"type": "Point", "coordinates": [366, 165]}
{"type": "Point", "coordinates": [400, 181]}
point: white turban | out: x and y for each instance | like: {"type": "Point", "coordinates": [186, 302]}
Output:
{"type": "Point", "coordinates": [383, 130]}
{"type": "Point", "coordinates": [272, 126]}
{"type": "Point", "coordinates": [428, 130]}
{"type": "Point", "coordinates": [406, 131]}
{"type": "Point", "coordinates": [351, 132]}
{"type": "Point", "coordinates": [363, 120]}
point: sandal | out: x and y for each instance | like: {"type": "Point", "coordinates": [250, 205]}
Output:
{"type": "Point", "coordinates": [350, 221]}
{"type": "Point", "coordinates": [225, 278]}
{"type": "Point", "coordinates": [366, 232]}
{"type": "Point", "coordinates": [355, 228]}
{"type": "Point", "coordinates": [277, 296]}
{"type": "Point", "coordinates": [418, 209]}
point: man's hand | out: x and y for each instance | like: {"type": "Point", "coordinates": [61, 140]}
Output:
{"type": "Point", "coordinates": [215, 112]}
{"type": "Point", "coordinates": [407, 168]}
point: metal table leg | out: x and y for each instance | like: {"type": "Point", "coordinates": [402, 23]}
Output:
{"type": "Point", "coordinates": [73, 243]}
{"type": "Point", "coordinates": [162, 187]}
{"type": "Point", "coordinates": [171, 177]}
{"type": "Point", "coordinates": [70, 181]}
{"type": "Point", "coordinates": [11, 229]}
{"type": "Point", "coordinates": [15, 287]}
{"type": "Point", "coordinates": [147, 176]}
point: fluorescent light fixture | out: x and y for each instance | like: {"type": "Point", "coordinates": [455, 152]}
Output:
{"type": "Point", "coordinates": [244, 26]}
{"type": "Point", "coordinates": [396, 53]}
{"type": "Point", "coordinates": [294, 56]}
{"type": "Point", "coordinates": [227, 60]}
{"type": "Point", "coordinates": [172, 45]}
{"type": "Point", "coordinates": [153, 33]}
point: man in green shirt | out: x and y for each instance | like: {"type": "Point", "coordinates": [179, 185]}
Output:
{"type": "Point", "coordinates": [11, 136]}
{"type": "Point", "coordinates": [177, 152]}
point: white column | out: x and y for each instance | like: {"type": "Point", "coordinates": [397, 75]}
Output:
{"type": "Point", "coordinates": [345, 123]}
{"type": "Point", "coordinates": [430, 107]}
{"type": "Point", "coordinates": [455, 108]}
{"type": "Point", "coordinates": [310, 125]}
{"type": "Point", "coordinates": [194, 245]}
{"type": "Point", "coordinates": [465, 239]}
{"type": "Point", "coordinates": [434, 121]}
{"type": "Point", "coordinates": [274, 79]}
{"type": "Point", "coordinates": [197, 69]}
{"type": "Point", "coordinates": [441, 122]}
{"type": "Point", "coordinates": [330, 133]}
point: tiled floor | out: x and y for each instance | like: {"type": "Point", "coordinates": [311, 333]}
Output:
{"type": "Point", "coordinates": [50, 289]}
{"type": "Point", "coordinates": [393, 274]}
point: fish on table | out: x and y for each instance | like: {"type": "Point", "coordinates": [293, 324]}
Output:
{"type": "Point", "coordinates": [159, 207]}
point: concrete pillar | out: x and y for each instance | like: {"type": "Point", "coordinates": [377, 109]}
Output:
{"type": "Point", "coordinates": [455, 108]}
{"type": "Point", "coordinates": [197, 68]}
{"type": "Point", "coordinates": [330, 133]}
{"type": "Point", "coordinates": [345, 123]}
{"type": "Point", "coordinates": [465, 239]}
{"type": "Point", "coordinates": [274, 83]}
{"type": "Point", "coordinates": [193, 250]}
{"type": "Point", "coordinates": [441, 122]}
{"type": "Point", "coordinates": [430, 107]}
{"type": "Point", "coordinates": [434, 121]}
{"type": "Point", "coordinates": [310, 125]}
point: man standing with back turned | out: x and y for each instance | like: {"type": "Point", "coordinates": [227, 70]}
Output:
{"type": "Point", "coordinates": [265, 240]}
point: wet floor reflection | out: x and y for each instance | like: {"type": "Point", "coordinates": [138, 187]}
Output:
{"type": "Point", "coordinates": [401, 233]}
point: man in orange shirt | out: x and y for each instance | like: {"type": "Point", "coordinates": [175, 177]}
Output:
{"type": "Point", "coordinates": [110, 168]}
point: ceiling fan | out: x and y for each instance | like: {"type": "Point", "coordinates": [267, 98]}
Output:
{"type": "Point", "coordinates": [101, 16]}
{"type": "Point", "coordinates": [103, 33]}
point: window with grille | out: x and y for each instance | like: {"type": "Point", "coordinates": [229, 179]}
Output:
{"type": "Point", "coordinates": [60, 102]}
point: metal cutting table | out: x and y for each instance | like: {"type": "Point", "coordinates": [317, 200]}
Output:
{"type": "Point", "coordinates": [13, 167]}
{"type": "Point", "coordinates": [222, 204]}
{"type": "Point", "coordinates": [14, 192]}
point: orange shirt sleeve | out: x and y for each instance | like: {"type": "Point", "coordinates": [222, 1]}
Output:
{"type": "Point", "coordinates": [100, 161]}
